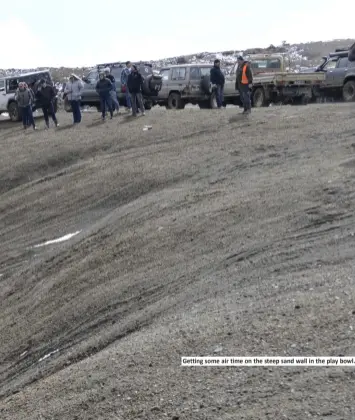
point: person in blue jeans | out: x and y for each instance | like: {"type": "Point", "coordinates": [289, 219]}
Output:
{"type": "Point", "coordinates": [25, 99]}
{"type": "Point", "coordinates": [113, 93]}
{"type": "Point", "coordinates": [217, 78]}
{"type": "Point", "coordinates": [73, 93]}
{"type": "Point", "coordinates": [124, 78]}
{"type": "Point", "coordinates": [104, 88]}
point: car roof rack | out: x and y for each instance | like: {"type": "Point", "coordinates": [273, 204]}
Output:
{"type": "Point", "coordinates": [122, 64]}
{"type": "Point", "coordinates": [339, 54]}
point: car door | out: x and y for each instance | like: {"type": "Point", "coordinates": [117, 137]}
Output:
{"type": "Point", "coordinates": [328, 69]}
{"type": "Point", "coordinates": [178, 80]}
{"type": "Point", "coordinates": [3, 99]}
{"type": "Point", "coordinates": [195, 81]}
{"type": "Point", "coordinates": [164, 91]}
{"type": "Point", "coordinates": [89, 93]}
{"type": "Point", "coordinates": [338, 73]}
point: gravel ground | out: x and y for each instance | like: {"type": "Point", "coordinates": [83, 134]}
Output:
{"type": "Point", "coordinates": [210, 234]}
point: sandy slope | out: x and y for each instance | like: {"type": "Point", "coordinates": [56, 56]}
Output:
{"type": "Point", "coordinates": [210, 232]}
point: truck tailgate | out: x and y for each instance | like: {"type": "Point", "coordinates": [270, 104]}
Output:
{"type": "Point", "coordinates": [290, 78]}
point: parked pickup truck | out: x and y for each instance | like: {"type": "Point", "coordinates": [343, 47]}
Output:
{"type": "Point", "coordinates": [273, 82]}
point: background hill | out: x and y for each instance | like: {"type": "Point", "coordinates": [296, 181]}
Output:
{"type": "Point", "coordinates": [305, 55]}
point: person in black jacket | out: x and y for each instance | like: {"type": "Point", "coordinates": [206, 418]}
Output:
{"type": "Point", "coordinates": [351, 55]}
{"type": "Point", "coordinates": [243, 83]}
{"type": "Point", "coordinates": [135, 86]}
{"type": "Point", "coordinates": [46, 95]}
{"type": "Point", "coordinates": [103, 88]}
{"type": "Point", "coordinates": [217, 78]}
{"type": "Point", "coordinates": [113, 93]}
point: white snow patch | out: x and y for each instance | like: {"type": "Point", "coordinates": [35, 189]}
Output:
{"type": "Point", "coordinates": [48, 355]}
{"type": "Point", "coordinates": [62, 239]}
{"type": "Point", "coordinates": [5, 114]}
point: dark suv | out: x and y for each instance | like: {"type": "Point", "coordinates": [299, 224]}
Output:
{"type": "Point", "coordinates": [152, 84]}
{"type": "Point", "coordinates": [9, 85]}
{"type": "Point", "coordinates": [340, 75]}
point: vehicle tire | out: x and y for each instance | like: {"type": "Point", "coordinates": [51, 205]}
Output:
{"type": "Point", "coordinates": [259, 98]}
{"type": "Point", "coordinates": [175, 102]}
{"type": "Point", "coordinates": [206, 85]}
{"type": "Point", "coordinates": [213, 100]}
{"type": "Point", "coordinates": [14, 112]}
{"type": "Point", "coordinates": [349, 91]}
{"type": "Point", "coordinates": [67, 105]}
{"type": "Point", "coordinates": [152, 85]}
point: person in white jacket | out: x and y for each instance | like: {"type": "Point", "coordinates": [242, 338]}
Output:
{"type": "Point", "coordinates": [73, 92]}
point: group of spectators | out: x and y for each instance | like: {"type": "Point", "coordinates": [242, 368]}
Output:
{"type": "Point", "coordinates": [43, 94]}
{"type": "Point", "coordinates": [131, 84]}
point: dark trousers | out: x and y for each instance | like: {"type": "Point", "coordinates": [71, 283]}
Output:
{"type": "Point", "coordinates": [245, 96]}
{"type": "Point", "coordinates": [219, 95]}
{"type": "Point", "coordinates": [27, 116]}
{"type": "Point", "coordinates": [137, 103]}
{"type": "Point", "coordinates": [105, 99]}
{"type": "Point", "coordinates": [75, 107]}
{"type": "Point", "coordinates": [49, 109]}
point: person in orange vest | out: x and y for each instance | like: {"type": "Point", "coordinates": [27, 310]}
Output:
{"type": "Point", "coordinates": [244, 83]}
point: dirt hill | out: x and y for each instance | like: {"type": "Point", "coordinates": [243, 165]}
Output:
{"type": "Point", "coordinates": [308, 54]}
{"type": "Point", "coordinates": [209, 234]}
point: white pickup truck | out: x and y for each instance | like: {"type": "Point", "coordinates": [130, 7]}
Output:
{"type": "Point", "coordinates": [8, 86]}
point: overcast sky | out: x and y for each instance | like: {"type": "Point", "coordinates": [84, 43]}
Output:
{"type": "Point", "coordinates": [86, 33]}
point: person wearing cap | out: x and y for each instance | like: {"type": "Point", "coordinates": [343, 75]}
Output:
{"type": "Point", "coordinates": [45, 95]}
{"type": "Point", "coordinates": [25, 99]}
{"type": "Point", "coordinates": [113, 92]}
{"type": "Point", "coordinates": [135, 85]}
{"type": "Point", "coordinates": [73, 93]}
{"type": "Point", "coordinates": [217, 78]}
{"type": "Point", "coordinates": [104, 88]}
{"type": "Point", "coordinates": [244, 83]}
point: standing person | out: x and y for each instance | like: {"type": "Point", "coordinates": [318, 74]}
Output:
{"type": "Point", "coordinates": [113, 92]}
{"type": "Point", "coordinates": [73, 91]}
{"type": "Point", "coordinates": [217, 78]}
{"type": "Point", "coordinates": [104, 88]}
{"type": "Point", "coordinates": [135, 86]}
{"type": "Point", "coordinates": [45, 95]}
{"type": "Point", "coordinates": [25, 98]}
{"type": "Point", "coordinates": [124, 78]}
{"type": "Point", "coordinates": [244, 83]}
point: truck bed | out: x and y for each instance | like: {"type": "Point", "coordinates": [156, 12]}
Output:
{"type": "Point", "coordinates": [290, 78]}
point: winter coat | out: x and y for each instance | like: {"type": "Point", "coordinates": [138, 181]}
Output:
{"type": "Point", "coordinates": [73, 90]}
{"type": "Point", "coordinates": [45, 95]}
{"type": "Point", "coordinates": [24, 97]}
{"type": "Point", "coordinates": [217, 76]}
{"type": "Point", "coordinates": [112, 80]}
{"type": "Point", "coordinates": [104, 86]}
{"type": "Point", "coordinates": [248, 74]}
{"type": "Point", "coordinates": [135, 82]}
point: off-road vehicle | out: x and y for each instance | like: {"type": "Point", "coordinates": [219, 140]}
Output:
{"type": "Point", "coordinates": [89, 96]}
{"type": "Point", "coordinates": [190, 83]}
{"type": "Point", "coordinates": [8, 86]}
{"type": "Point", "coordinates": [339, 75]}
